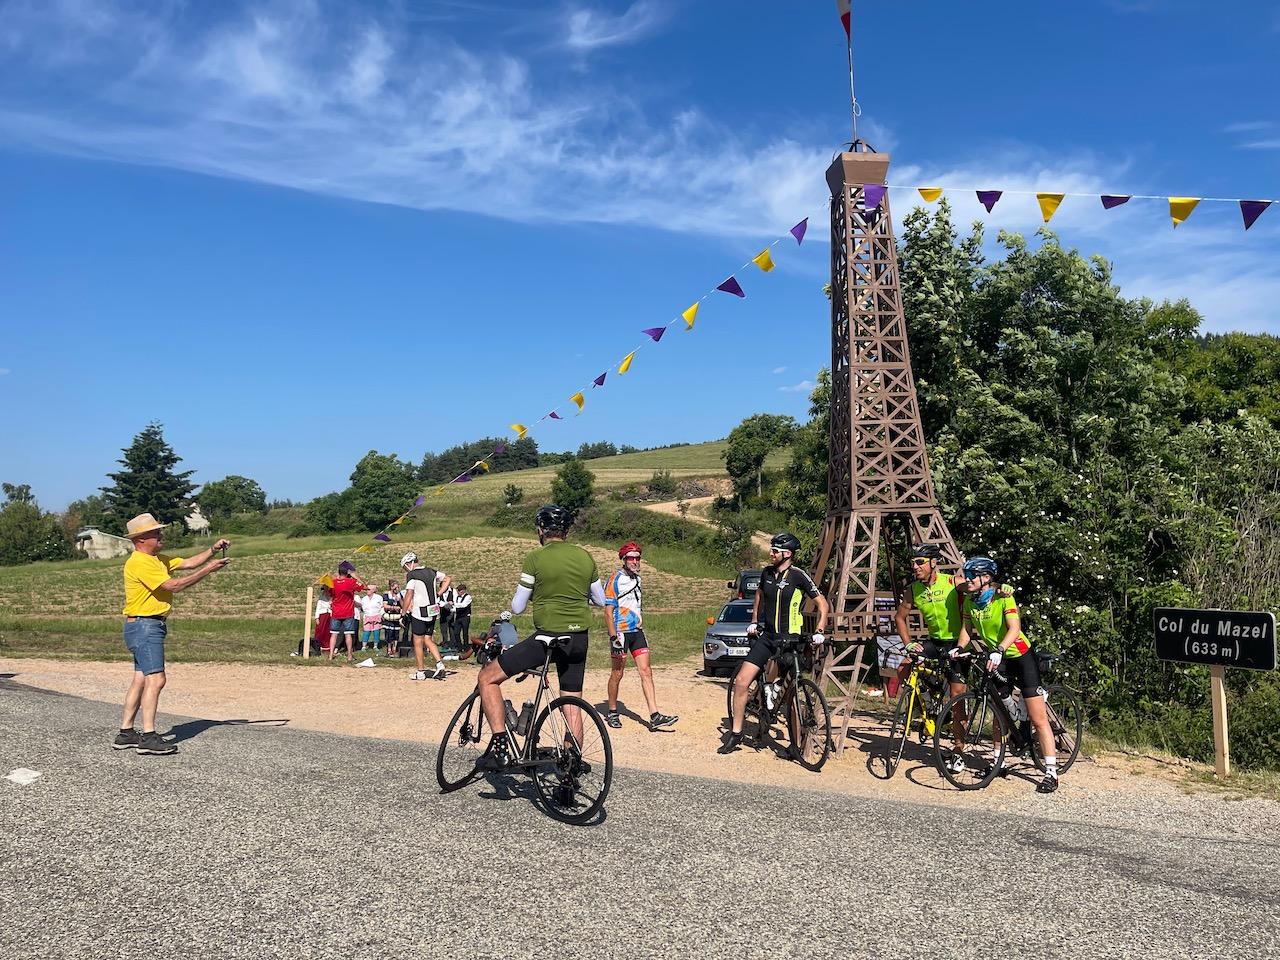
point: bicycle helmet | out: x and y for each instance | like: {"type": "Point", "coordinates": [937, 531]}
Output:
{"type": "Point", "coordinates": [553, 518]}
{"type": "Point", "coordinates": [979, 566]}
{"type": "Point", "coordinates": [505, 616]}
{"type": "Point", "coordinates": [629, 547]}
{"type": "Point", "coordinates": [785, 541]}
{"type": "Point", "coordinates": [408, 558]}
{"type": "Point", "coordinates": [930, 551]}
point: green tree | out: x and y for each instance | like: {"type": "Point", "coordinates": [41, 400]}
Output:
{"type": "Point", "coordinates": [219, 499]}
{"type": "Point", "coordinates": [382, 487]}
{"type": "Point", "coordinates": [511, 494]}
{"type": "Point", "coordinates": [27, 533]}
{"type": "Point", "coordinates": [574, 486]}
{"type": "Point", "coordinates": [750, 442]}
{"type": "Point", "coordinates": [148, 483]}
{"type": "Point", "coordinates": [90, 511]}
{"type": "Point", "coordinates": [662, 483]}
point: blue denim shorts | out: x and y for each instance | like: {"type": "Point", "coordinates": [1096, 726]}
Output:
{"type": "Point", "coordinates": [145, 640]}
{"type": "Point", "coordinates": [343, 625]}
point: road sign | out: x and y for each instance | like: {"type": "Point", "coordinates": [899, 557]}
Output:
{"type": "Point", "coordinates": [1216, 638]}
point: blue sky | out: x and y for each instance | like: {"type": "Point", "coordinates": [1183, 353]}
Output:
{"type": "Point", "coordinates": [296, 231]}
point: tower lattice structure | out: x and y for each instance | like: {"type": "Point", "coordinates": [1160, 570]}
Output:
{"type": "Point", "coordinates": [880, 494]}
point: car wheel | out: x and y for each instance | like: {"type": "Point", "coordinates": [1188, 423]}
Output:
{"type": "Point", "coordinates": [710, 669]}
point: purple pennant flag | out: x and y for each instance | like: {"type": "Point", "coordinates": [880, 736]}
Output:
{"type": "Point", "coordinates": [988, 198]}
{"type": "Point", "coordinates": [798, 230]}
{"type": "Point", "coordinates": [465, 478]}
{"type": "Point", "coordinates": [420, 501]}
{"type": "Point", "coordinates": [1251, 210]}
{"type": "Point", "coordinates": [872, 194]}
{"type": "Point", "coordinates": [555, 416]}
{"type": "Point", "coordinates": [1109, 201]}
{"type": "Point", "coordinates": [382, 538]}
{"type": "Point", "coordinates": [500, 449]}
{"type": "Point", "coordinates": [599, 381]}
{"type": "Point", "coordinates": [654, 333]}
{"type": "Point", "coordinates": [732, 286]}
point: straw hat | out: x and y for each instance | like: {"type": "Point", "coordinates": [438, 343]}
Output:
{"type": "Point", "coordinates": [142, 523]}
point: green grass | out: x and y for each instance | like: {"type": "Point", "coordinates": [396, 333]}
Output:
{"type": "Point", "coordinates": [673, 637]}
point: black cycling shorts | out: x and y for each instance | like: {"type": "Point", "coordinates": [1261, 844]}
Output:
{"type": "Point", "coordinates": [1024, 673]}
{"type": "Point", "coordinates": [423, 628]}
{"type": "Point", "coordinates": [570, 659]}
{"type": "Point", "coordinates": [766, 646]}
{"type": "Point", "coordinates": [940, 650]}
{"type": "Point", "coordinates": [630, 640]}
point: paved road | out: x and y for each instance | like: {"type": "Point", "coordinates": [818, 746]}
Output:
{"type": "Point", "coordinates": [260, 841]}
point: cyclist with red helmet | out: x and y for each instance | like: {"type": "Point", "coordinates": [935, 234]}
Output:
{"type": "Point", "coordinates": [624, 622]}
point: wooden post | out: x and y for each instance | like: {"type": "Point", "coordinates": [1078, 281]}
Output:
{"type": "Point", "coordinates": [306, 623]}
{"type": "Point", "coordinates": [1221, 747]}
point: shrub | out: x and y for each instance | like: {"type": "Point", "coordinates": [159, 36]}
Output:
{"type": "Point", "coordinates": [662, 483]}
{"type": "Point", "coordinates": [574, 486]}
{"type": "Point", "coordinates": [511, 494]}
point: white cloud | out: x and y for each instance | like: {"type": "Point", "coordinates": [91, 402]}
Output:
{"type": "Point", "coordinates": [587, 29]}
{"type": "Point", "coordinates": [804, 386]}
{"type": "Point", "coordinates": [5, 371]}
{"type": "Point", "coordinates": [309, 96]}
{"type": "Point", "coordinates": [1248, 126]}
{"type": "Point", "coordinates": [779, 369]}
{"type": "Point", "coordinates": [1272, 143]}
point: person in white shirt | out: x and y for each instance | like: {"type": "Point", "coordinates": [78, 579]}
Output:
{"type": "Point", "coordinates": [423, 587]}
{"type": "Point", "coordinates": [461, 625]}
{"type": "Point", "coordinates": [372, 632]}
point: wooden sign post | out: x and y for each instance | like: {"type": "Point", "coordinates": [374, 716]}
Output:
{"type": "Point", "coordinates": [1217, 639]}
{"type": "Point", "coordinates": [306, 623]}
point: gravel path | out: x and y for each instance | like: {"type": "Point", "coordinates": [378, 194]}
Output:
{"type": "Point", "coordinates": [263, 841]}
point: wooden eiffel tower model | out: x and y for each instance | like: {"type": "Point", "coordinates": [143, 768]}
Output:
{"type": "Point", "coordinates": [880, 495]}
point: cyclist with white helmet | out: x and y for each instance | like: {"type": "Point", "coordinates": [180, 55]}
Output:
{"type": "Point", "coordinates": [776, 624]}
{"type": "Point", "coordinates": [991, 617]}
{"type": "Point", "coordinates": [422, 588]}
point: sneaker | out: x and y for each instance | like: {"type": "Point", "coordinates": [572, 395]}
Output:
{"type": "Point", "coordinates": [498, 756]}
{"type": "Point", "coordinates": [956, 764]}
{"type": "Point", "coordinates": [152, 744]}
{"type": "Point", "coordinates": [439, 672]}
{"type": "Point", "coordinates": [613, 720]}
{"type": "Point", "coordinates": [659, 720]}
{"type": "Point", "coordinates": [1047, 785]}
{"type": "Point", "coordinates": [126, 740]}
{"type": "Point", "coordinates": [418, 675]}
{"type": "Point", "coordinates": [731, 745]}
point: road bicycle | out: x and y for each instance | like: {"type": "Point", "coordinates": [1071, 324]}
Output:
{"type": "Point", "coordinates": [991, 731]}
{"type": "Point", "coordinates": [572, 775]}
{"type": "Point", "coordinates": [794, 697]}
{"type": "Point", "coordinates": [919, 709]}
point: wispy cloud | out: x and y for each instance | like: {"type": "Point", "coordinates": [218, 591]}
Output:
{"type": "Point", "coordinates": [1272, 143]}
{"type": "Point", "coordinates": [779, 369]}
{"type": "Point", "coordinates": [5, 371]}
{"type": "Point", "coordinates": [306, 95]}
{"type": "Point", "coordinates": [804, 386]}
{"type": "Point", "coordinates": [587, 29]}
{"type": "Point", "coordinates": [1248, 126]}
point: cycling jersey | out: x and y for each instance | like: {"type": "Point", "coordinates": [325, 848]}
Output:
{"type": "Point", "coordinates": [780, 597]}
{"type": "Point", "coordinates": [560, 575]}
{"type": "Point", "coordinates": [988, 624]}
{"type": "Point", "coordinates": [939, 607]}
{"type": "Point", "coordinates": [622, 601]}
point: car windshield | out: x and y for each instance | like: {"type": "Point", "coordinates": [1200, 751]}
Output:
{"type": "Point", "coordinates": [735, 613]}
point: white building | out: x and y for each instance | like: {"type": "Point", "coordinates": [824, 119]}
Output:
{"type": "Point", "coordinates": [102, 546]}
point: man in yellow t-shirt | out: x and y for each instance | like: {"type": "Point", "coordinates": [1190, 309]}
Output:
{"type": "Point", "coordinates": [149, 586]}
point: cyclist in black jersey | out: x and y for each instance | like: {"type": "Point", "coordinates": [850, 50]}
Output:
{"type": "Point", "coordinates": [776, 622]}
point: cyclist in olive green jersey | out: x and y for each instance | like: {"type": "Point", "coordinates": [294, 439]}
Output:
{"type": "Point", "coordinates": [991, 617]}
{"type": "Point", "coordinates": [935, 595]}
{"type": "Point", "coordinates": [559, 579]}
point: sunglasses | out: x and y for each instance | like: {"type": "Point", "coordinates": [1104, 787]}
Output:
{"type": "Point", "coordinates": [919, 561]}
{"type": "Point", "coordinates": [632, 556]}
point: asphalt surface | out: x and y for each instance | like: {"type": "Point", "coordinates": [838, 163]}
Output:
{"type": "Point", "coordinates": [260, 841]}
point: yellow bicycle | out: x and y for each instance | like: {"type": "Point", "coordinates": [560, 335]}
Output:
{"type": "Point", "coordinates": [919, 702]}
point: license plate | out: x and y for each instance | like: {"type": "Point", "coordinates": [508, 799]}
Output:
{"type": "Point", "coordinates": [739, 651]}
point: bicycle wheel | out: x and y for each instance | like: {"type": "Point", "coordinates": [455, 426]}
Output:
{"type": "Point", "coordinates": [981, 745]}
{"type": "Point", "coordinates": [898, 729]}
{"type": "Point", "coordinates": [752, 713]}
{"type": "Point", "coordinates": [465, 741]}
{"type": "Point", "coordinates": [810, 723]}
{"type": "Point", "coordinates": [572, 774]}
{"type": "Point", "coordinates": [1066, 720]}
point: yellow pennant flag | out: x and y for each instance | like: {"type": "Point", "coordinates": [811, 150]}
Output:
{"type": "Point", "coordinates": [689, 316]}
{"type": "Point", "coordinates": [763, 260]}
{"type": "Point", "coordinates": [439, 490]}
{"type": "Point", "coordinates": [579, 399]}
{"type": "Point", "coordinates": [626, 362]}
{"type": "Point", "coordinates": [326, 581]}
{"type": "Point", "coordinates": [396, 523]}
{"type": "Point", "coordinates": [481, 466]}
{"type": "Point", "coordinates": [1049, 203]}
{"type": "Point", "coordinates": [520, 430]}
{"type": "Point", "coordinates": [930, 194]}
{"type": "Point", "coordinates": [367, 548]}
{"type": "Point", "coordinates": [1180, 208]}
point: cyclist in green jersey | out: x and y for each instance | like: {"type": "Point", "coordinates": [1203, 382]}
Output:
{"type": "Point", "coordinates": [935, 594]}
{"type": "Point", "coordinates": [991, 617]}
{"type": "Point", "coordinates": [560, 579]}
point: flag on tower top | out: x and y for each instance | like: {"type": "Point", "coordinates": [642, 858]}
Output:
{"type": "Point", "coordinates": [843, 7]}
